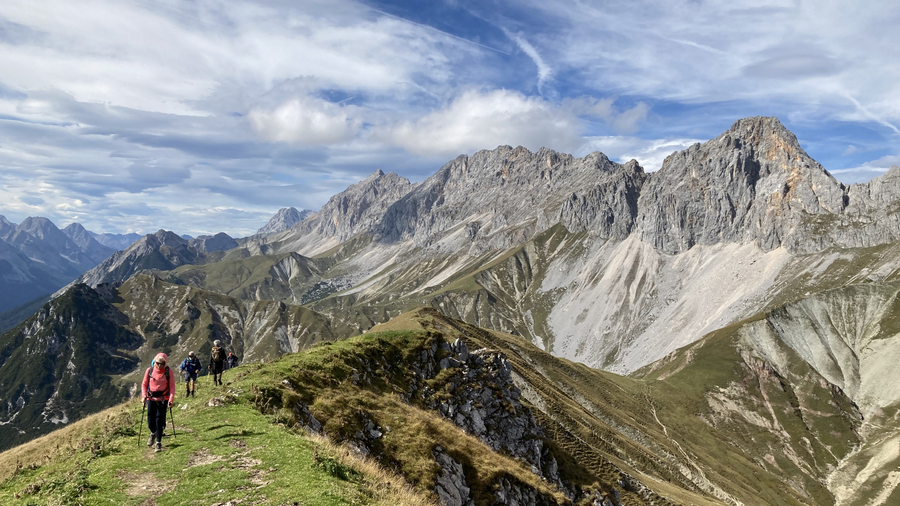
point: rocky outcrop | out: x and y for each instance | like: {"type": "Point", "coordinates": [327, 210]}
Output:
{"type": "Point", "coordinates": [284, 219]}
{"type": "Point", "coordinates": [477, 393]}
{"type": "Point", "coordinates": [450, 485]}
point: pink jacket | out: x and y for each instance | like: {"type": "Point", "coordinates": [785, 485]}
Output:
{"type": "Point", "coordinates": [155, 380]}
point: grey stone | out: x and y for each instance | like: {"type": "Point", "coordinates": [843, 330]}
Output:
{"type": "Point", "coordinates": [450, 484]}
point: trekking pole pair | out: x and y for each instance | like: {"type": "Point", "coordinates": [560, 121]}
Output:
{"type": "Point", "coordinates": [141, 421]}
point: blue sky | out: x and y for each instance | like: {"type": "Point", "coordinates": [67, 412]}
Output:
{"type": "Point", "coordinates": [210, 115]}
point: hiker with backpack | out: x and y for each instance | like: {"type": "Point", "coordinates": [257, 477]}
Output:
{"type": "Point", "coordinates": [217, 362]}
{"type": "Point", "coordinates": [190, 368]}
{"type": "Point", "coordinates": [158, 394]}
{"type": "Point", "coordinates": [231, 361]}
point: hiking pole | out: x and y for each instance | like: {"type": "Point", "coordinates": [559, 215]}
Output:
{"type": "Point", "coordinates": [141, 422]}
{"type": "Point", "coordinates": [172, 418]}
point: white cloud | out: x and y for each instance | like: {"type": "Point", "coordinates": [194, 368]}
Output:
{"type": "Point", "coordinates": [477, 120]}
{"type": "Point", "coordinates": [623, 122]}
{"type": "Point", "coordinates": [809, 53]}
{"type": "Point", "coordinates": [170, 57]}
{"type": "Point", "coordinates": [865, 172]}
{"type": "Point", "coordinates": [305, 121]}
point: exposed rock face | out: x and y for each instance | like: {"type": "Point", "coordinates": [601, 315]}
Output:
{"type": "Point", "coordinates": [284, 219]}
{"type": "Point", "coordinates": [508, 194]}
{"type": "Point", "coordinates": [355, 210]}
{"type": "Point", "coordinates": [484, 401]}
{"type": "Point", "coordinates": [753, 184]}
{"type": "Point", "coordinates": [450, 484]}
{"type": "Point", "coordinates": [91, 247]}
{"type": "Point", "coordinates": [610, 207]}
{"type": "Point", "coordinates": [162, 250]}
{"type": "Point", "coordinates": [210, 243]}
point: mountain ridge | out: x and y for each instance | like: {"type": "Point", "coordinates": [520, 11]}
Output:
{"type": "Point", "coordinates": [596, 261]}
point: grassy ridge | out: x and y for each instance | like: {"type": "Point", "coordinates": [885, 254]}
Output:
{"type": "Point", "coordinates": [226, 452]}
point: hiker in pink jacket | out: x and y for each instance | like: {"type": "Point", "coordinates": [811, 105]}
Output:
{"type": "Point", "coordinates": [158, 393]}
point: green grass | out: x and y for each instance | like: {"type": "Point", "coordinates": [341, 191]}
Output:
{"type": "Point", "coordinates": [217, 454]}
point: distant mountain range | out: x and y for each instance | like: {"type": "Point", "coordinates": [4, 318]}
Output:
{"type": "Point", "coordinates": [37, 258]}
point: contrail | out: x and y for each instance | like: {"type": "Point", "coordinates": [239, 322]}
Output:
{"type": "Point", "coordinates": [871, 116]}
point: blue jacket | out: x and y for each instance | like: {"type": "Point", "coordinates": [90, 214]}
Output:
{"type": "Point", "coordinates": [191, 365]}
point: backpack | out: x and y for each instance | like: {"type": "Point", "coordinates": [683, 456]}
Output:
{"type": "Point", "coordinates": [190, 365]}
{"type": "Point", "coordinates": [164, 393]}
{"type": "Point", "coordinates": [218, 354]}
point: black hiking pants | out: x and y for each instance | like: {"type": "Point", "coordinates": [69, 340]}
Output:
{"type": "Point", "coordinates": [156, 417]}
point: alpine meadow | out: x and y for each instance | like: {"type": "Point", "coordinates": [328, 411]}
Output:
{"type": "Point", "coordinates": [356, 290]}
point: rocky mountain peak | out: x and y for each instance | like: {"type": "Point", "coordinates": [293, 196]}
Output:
{"type": "Point", "coordinates": [359, 207]}
{"type": "Point", "coordinates": [753, 183]}
{"type": "Point", "coordinates": [83, 239]}
{"type": "Point", "coordinates": [38, 226]}
{"type": "Point", "coordinates": [167, 238]}
{"type": "Point", "coordinates": [285, 218]}
{"type": "Point", "coordinates": [6, 226]}
{"type": "Point", "coordinates": [39, 238]}
{"type": "Point", "coordinates": [79, 234]}
{"type": "Point", "coordinates": [506, 194]}
{"type": "Point", "coordinates": [210, 243]}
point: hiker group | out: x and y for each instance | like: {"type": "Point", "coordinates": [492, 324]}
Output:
{"type": "Point", "coordinates": [158, 387]}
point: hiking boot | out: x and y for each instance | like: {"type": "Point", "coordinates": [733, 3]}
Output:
{"type": "Point", "coordinates": [158, 447]}
{"type": "Point", "coordinates": [150, 441]}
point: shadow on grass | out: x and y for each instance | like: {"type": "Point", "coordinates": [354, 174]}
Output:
{"type": "Point", "coordinates": [222, 426]}
{"type": "Point", "coordinates": [242, 433]}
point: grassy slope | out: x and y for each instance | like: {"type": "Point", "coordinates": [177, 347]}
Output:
{"type": "Point", "coordinates": [223, 453]}
{"type": "Point", "coordinates": [788, 423]}
{"type": "Point", "coordinates": [234, 452]}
